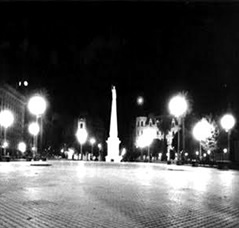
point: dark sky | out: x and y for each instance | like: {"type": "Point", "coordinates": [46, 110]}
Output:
{"type": "Point", "coordinates": [78, 50]}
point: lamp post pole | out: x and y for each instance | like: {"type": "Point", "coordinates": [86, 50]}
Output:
{"type": "Point", "coordinates": [200, 151]}
{"type": "Point", "coordinates": [5, 137]}
{"type": "Point", "coordinates": [178, 157]}
{"type": "Point", "coordinates": [81, 152]}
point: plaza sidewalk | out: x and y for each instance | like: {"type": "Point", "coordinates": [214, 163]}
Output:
{"type": "Point", "coordinates": [97, 194]}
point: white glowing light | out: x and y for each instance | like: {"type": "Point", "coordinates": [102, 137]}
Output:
{"type": "Point", "coordinates": [228, 122]}
{"type": "Point", "coordinates": [25, 83]}
{"type": "Point", "coordinates": [178, 106]}
{"type": "Point", "coordinates": [34, 129]}
{"type": "Point", "coordinates": [197, 153]}
{"type": "Point", "coordinates": [71, 150]}
{"type": "Point", "coordinates": [6, 118]}
{"type": "Point", "coordinates": [5, 144]}
{"type": "Point", "coordinates": [92, 141]}
{"type": "Point", "coordinates": [204, 155]}
{"type": "Point", "coordinates": [202, 130]}
{"type": "Point", "coordinates": [208, 152]}
{"type": "Point", "coordinates": [140, 100]}
{"type": "Point", "coordinates": [22, 147]}
{"type": "Point", "coordinates": [225, 150]}
{"type": "Point", "coordinates": [123, 152]}
{"type": "Point", "coordinates": [146, 138]}
{"type": "Point", "coordinates": [186, 154]}
{"type": "Point", "coordinates": [37, 105]}
{"type": "Point", "coordinates": [99, 146]}
{"type": "Point", "coordinates": [81, 135]}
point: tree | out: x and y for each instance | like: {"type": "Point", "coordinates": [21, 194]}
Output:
{"type": "Point", "coordinates": [168, 129]}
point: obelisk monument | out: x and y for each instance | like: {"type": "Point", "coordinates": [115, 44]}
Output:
{"type": "Point", "coordinates": [113, 140]}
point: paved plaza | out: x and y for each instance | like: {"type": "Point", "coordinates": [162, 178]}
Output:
{"type": "Point", "coordinates": [96, 194]}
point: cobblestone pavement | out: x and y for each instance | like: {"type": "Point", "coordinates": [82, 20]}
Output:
{"type": "Point", "coordinates": [96, 194]}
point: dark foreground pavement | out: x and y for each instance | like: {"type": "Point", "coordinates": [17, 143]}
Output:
{"type": "Point", "coordinates": [79, 194]}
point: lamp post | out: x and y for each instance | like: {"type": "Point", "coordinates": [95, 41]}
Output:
{"type": "Point", "coordinates": [22, 147]}
{"type": "Point", "coordinates": [146, 139]}
{"type": "Point", "coordinates": [6, 120]}
{"type": "Point", "coordinates": [81, 135]}
{"type": "Point", "coordinates": [37, 106]}
{"type": "Point", "coordinates": [178, 107]}
{"type": "Point", "coordinates": [201, 131]}
{"type": "Point", "coordinates": [100, 148]}
{"type": "Point", "coordinates": [92, 142]}
{"type": "Point", "coordinates": [34, 130]}
{"type": "Point", "coordinates": [228, 122]}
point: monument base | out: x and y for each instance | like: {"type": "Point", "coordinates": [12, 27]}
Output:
{"type": "Point", "coordinates": [113, 150]}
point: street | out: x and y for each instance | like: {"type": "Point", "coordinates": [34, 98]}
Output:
{"type": "Point", "coordinates": [98, 194]}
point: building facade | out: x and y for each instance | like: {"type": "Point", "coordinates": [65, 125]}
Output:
{"type": "Point", "coordinates": [14, 101]}
{"type": "Point", "coordinates": [143, 123]}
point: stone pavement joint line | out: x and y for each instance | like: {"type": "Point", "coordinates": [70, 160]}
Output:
{"type": "Point", "coordinates": [81, 194]}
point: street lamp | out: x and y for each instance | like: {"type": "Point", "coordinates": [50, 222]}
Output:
{"type": "Point", "coordinates": [6, 120]}
{"type": "Point", "coordinates": [22, 147]}
{"type": "Point", "coordinates": [92, 142]}
{"type": "Point", "coordinates": [37, 106]}
{"type": "Point", "coordinates": [34, 130]}
{"type": "Point", "coordinates": [201, 131]}
{"type": "Point", "coordinates": [146, 139]}
{"type": "Point", "coordinates": [178, 107]}
{"type": "Point", "coordinates": [228, 122]}
{"type": "Point", "coordinates": [100, 148]}
{"type": "Point", "coordinates": [81, 136]}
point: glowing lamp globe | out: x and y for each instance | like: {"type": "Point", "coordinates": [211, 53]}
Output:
{"type": "Point", "coordinates": [34, 129]}
{"type": "Point", "coordinates": [92, 141]}
{"type": "Point", "coordinates": [146, 138]}
{"type": "Point", "coordinates": [81, 135]}
{"type": "Point", "coordinates": [228, 122]}
{"type": "Point", "coordinates": [22, 147]}
{"type": "Point", "coordinates": [5, 144]}
{"type": "Point", "coordinates": [140, 100]}
{"type": "Point", "coordinates": [99, 146]}
{"type": "Point", "coordinates": [202, 130]}
{"type": "Point", "coordinates": [6, 118]}
{"type": "Point", "coordinates": [225, 150]}
{"type": "Point", "coordinates": [178, 106]}
{"type": "Point", "coordinates": [37, 105]}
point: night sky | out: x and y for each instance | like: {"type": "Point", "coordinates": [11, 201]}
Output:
{"type": "Point", "coordinates": [76, 51]}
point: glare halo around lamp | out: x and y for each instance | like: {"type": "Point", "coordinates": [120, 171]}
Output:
{"type": "Point", "coordinates": [201, 131]}
{"type": "Point", "coordinates": [145, 140]}
{"type": "Point", "coordinates": [81, 136]}
{"type": "Point", "coordinates": [228, 122]}
{"type": "Point", "coordinates": [6, 120]}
